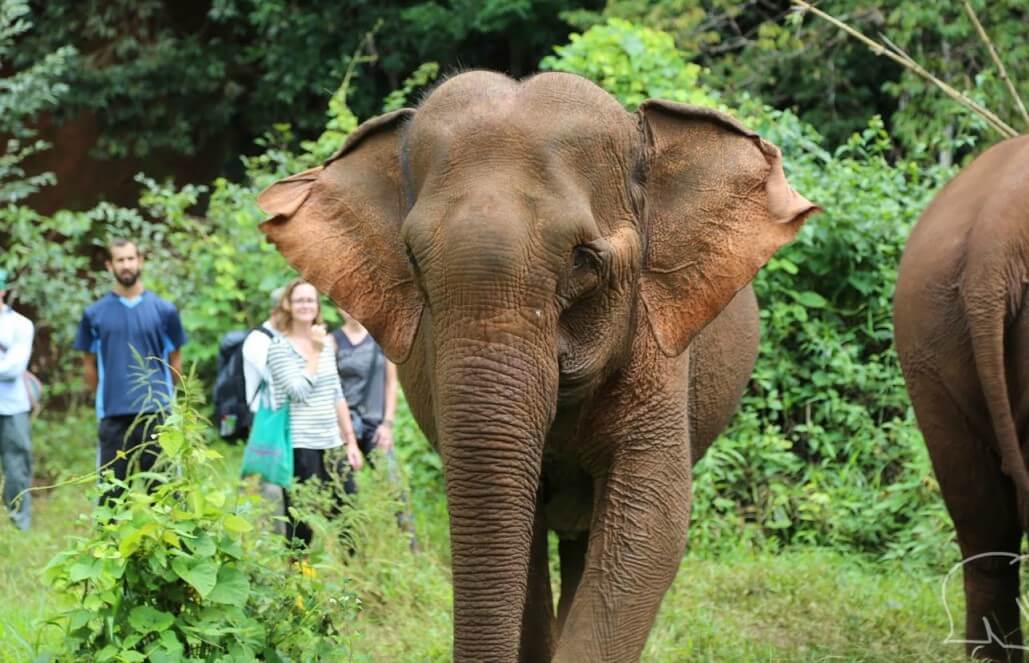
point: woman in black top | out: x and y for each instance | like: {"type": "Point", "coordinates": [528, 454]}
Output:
{"type": "Point", "coordinates": [369, 383]}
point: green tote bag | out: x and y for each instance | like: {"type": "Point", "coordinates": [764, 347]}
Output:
{"type": "Point", "coordinates": [268, 452]}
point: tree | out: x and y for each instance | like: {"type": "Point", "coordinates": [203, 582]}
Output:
{"type": "Point", "coordinates": [764, 48]}
{"type": "Point", "coordinates": [23, 95]}
{"type": "Point", "coordinates": [173, 75]}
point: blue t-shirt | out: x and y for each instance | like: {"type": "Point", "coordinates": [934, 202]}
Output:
{"type": "Point", "coordinates": [113, 328]}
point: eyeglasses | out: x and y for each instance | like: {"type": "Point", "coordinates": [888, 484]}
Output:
{"type": "Point", "coordinates": [304, 300]}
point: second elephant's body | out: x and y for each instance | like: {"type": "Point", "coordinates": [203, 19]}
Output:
{"type": "Point", "coordinates": [962, 335]}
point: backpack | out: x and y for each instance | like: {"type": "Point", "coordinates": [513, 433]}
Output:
{"type": "Point", "coordinates": [232, 413]}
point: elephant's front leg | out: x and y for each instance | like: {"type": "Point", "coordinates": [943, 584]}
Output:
{"type": "Point", "coordinates": [538, 624]}
{"type": "Point", "coordinates": [636, 543]}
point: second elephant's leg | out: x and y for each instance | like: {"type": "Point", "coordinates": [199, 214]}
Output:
{"type": "Point", "coordinates": [981, 501]}
{"type": "Point", "coordinates": [572, 553]}
{"type": "Point", "coordinates": [636, 542]}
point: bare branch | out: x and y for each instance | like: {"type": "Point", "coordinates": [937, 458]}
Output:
{"type": "Point", "coordinates": [997, 61]}
{"type": "Point", "coordinates": [907, 62]}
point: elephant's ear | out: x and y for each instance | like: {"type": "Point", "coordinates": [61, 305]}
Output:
{"type": "Point", "coordinates": [339, 225]}
{"type": "Point", "coordinates": [718, 206]}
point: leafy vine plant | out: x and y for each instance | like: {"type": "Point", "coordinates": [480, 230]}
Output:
{"type": "Point", "coordinates": [181, 566]}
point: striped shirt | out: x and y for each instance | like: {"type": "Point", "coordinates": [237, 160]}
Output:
{"type": "Point", "coordinates": [312, 399]}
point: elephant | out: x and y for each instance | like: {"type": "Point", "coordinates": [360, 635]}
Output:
{"type": "Point", "coordinates": [537, 261]}
{"type": "Point", "coordinates": [961, 330]}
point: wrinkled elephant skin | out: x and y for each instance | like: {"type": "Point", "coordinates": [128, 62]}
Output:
{"type": "Point", "coordinates": [538, 261]}
{"type": "Point", "coordinates": [962, 334]}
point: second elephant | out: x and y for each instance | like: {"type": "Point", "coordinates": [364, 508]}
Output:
{"type": "Point", "coordinates": [962, 334]}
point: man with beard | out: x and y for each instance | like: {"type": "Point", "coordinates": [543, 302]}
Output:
{"type": "Point", "coordinates": [131, 338]}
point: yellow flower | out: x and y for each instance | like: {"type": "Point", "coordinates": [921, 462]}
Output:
{"type": "Point", "coordinates": [300, 603]}
{"type": "Point", "coordinates": [305, 569]}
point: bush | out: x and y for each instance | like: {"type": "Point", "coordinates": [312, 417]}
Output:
{"type": "Point", "coordinates": [63, 447]}
{"type": "Point", "coordinates": [633, 63]}
{"type": "Point", "coordinates": [181, 573]}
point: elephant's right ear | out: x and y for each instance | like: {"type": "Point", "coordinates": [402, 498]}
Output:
{"type": "Point", "coordinates": [339, 225]}
{"type": "Point", "coordinates": [718, 207]}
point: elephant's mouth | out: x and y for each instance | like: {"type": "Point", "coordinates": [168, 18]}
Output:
{"type": "Point", "coordinates": [576, 379]}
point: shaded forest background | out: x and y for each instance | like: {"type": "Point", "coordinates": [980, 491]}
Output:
{"type": "Point", "coordinates": [184, 88]}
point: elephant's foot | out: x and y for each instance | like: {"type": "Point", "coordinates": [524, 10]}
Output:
{"type": "Point", "coordinates": [992, 623]}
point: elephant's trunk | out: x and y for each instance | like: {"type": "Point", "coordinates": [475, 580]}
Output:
{"type": "Point", "coordinates": [495, 405]}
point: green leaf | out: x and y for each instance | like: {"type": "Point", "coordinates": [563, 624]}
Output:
{"type": "Point", "coordinates": [203, 545]}
{"type": "Point", "coordinates": [234, 523]}
{"type": "Point", "coordinates": [166, 648]}
{"type": "Point", "coordinates": [201, 576]}
{"type": "Point", "coordinates": [79, 618]}
{"type": "Point", "coordinates": [233, 587]}
{"type": "Point", "coordinates": [809, 299]}
{"type": "Point", "coordinates": [87, 568]}
{"type": "Point", "coordinates": [147, 619]}
{"type": "Point", "coordinates": [132, 540]}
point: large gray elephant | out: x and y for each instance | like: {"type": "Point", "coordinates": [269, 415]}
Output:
{"type": "Point", "coordinates": [538, 261]}
{"type": "Point", "coordinates": [962, 335]}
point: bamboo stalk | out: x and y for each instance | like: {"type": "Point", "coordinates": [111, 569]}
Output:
{"type": "Point", "coordinates": [907, 62]}
{"type": "Point", "coordinates": [997, 61]}
{"type": "Point", "coordinates": [988, 115]}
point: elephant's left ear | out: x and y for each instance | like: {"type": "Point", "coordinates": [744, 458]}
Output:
{"type": "Point", "coordinates": [339, 224]}
{"type": "Point", "coordinates": [718, 207]}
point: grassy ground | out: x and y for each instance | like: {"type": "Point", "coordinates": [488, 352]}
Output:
{"type": "Point", "coordinates": [744, 605]}
{"type": "Point", "coordinates": [797, 605]}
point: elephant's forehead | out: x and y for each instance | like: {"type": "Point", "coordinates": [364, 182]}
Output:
{"type": "Point", "coordinates": [479, 111]}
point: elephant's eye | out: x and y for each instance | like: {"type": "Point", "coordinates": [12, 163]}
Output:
{"type": "Point", "coordinates": [585, 275]}
{"type": "Point", "coordinates": [584, 257]}
{"type": "Point", "coordinates": [411, 259]}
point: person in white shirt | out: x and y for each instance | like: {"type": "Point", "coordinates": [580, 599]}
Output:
{"type": "Point", "coordinates": [16, 333]}
{"type": "Point", "coordinates": [255, 376]}
{"type": "Point", "coordinates": [255, 360]}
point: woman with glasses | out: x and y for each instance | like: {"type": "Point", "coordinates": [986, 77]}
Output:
{"type": "Point", "coordinates": [302, 362]}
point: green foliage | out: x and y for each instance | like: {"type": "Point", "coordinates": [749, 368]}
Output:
{"type": "Point", "coordinates": [696, 26]}
{"type": "Point", "coordinates": [23, 95]}
{"type": "Point", "coordinates": [63, 445]}
{"type": "Point", "coordinates": [837, 80]}
{"type": "Point", "coordinates": [632, 63]}
{"type": "Point", "coordinates": [419, 78]}
{"type": "Point", "coordinates": [179, 77]}
{"type": "Point", "coordinates": [180, 572]}
{"type": "Point", "coordinates": [837, 83]}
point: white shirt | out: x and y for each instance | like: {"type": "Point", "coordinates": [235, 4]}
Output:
{"type": "Point", "coordinates": [313, 422]}
{"type": "Point", "coordinates": [16, 333]}
{"type": "Point", "coordinates": [255, 366]}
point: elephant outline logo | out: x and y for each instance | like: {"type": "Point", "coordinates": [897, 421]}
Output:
{"type": "Point", "coordinates": [991, 637]}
